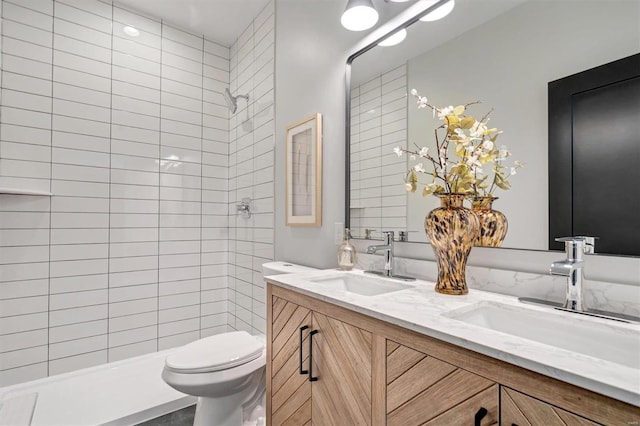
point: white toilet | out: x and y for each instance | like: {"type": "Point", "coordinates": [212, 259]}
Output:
{"type": "Point", "coordinates": [225, 371]}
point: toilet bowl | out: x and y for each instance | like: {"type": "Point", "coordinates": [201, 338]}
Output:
{"type": "Point", "coordinates": [226, 371]}
{"type": "Point", "coordinates": [227, 374]}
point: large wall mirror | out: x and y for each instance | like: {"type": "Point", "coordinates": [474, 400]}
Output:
{"type": "Point", "coordinates": [501, 52]}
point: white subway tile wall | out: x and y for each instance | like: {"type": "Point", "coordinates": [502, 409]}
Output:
{"type": "Point", "coordinates": [137, 249]}
{"type": "Point", "coordinates": [378, 124]}
{"type": "Point", "coordinates": [251, 171]}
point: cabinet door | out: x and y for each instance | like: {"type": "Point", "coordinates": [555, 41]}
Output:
{"type": "Point", "coordinates": [290, 390]}
{"type": "Point", "coordinates": [424, 390]}
{"type": "Point", "coordinates": [522, 410]}
{"type": "Point", "coordinates": [342, 364]}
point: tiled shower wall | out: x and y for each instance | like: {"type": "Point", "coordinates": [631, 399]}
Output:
{"type": "Point", "coordinates": [378, 124]}
{"type": "Point", "coordinates": [251, 171]}
{"type": "Point", "coordinates": [131, 135]}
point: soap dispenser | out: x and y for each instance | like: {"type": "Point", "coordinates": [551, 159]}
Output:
{"type": "Point", "coordinates": [346, 253]}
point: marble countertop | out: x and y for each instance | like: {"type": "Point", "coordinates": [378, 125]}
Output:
{"type": "Point", "coordinates": [421, 309]}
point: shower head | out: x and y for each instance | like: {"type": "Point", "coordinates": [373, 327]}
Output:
{"type": "Point", "coordinates": [232, 101]}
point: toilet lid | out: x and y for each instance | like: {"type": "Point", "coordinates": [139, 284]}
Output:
{"type": "Point", "coordinates": [215, 353]}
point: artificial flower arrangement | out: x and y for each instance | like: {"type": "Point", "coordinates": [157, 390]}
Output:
{"type": "Point", "coordinates": [474, 147]}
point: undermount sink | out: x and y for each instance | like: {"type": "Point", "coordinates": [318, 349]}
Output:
{"type": "Point", "coordinates": [360, 284]}
{"type": "Point", "coordinates": [613, 342]}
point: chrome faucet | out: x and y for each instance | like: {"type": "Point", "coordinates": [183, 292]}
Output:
{"type": "Point", "coordinates": [572, 268]}
{"type": "Point", "coordinates": [388, 258]}
{"type": "Point", "coordinates": [388, 252]}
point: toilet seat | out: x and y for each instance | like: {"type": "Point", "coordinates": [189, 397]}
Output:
{"type": "Point", "coordinates": [215, 353]}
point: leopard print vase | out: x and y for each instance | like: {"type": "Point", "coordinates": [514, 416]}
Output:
{"type": "Point", "coordinates": [493, 224]}
{"type": "Point", "coordinates": [452, 230]}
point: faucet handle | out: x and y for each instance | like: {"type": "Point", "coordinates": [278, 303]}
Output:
{"type": "Point", "coordinates": [575, 247]}
{"type": "Point", "coordinates": [388, 237]}
{"type": "Point", "coordinates": [589, 244]}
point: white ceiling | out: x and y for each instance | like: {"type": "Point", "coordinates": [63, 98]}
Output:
{"type": "Point", "coordinates": [224, 20]}
{"type": "Point", "coordinates": [218, 20]}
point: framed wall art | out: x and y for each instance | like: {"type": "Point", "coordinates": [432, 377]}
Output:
{"type": "Point", "coordinates": [304, 172]}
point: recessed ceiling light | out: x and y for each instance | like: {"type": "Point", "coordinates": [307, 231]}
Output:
{"type": "Point", "coordinates": [131, 31]}
{"type": "Point", "coordinates": [394, 38]}
{"type": "Point", "coordinates": [440, 12]}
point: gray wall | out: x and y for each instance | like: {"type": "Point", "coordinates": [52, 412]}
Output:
{"type": "Point", "coordinates": [311, 51]}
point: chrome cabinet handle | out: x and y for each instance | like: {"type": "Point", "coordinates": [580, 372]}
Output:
{"type": "Point", "coordinates": [311, 378]}
{"type": "Point", "coordinates": [303, 328]}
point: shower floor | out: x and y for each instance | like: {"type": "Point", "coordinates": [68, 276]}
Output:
{"type": "Point", "coordinates": [126, 392]}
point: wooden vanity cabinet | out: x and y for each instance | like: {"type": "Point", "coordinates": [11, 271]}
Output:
{"type": "Point", "coordinates": [290, 397]}
{"type": "Point", "coordinates": [338, 376]}
{"type": "Point", "coordinates": [422, 390]}
{"type": "Point", "coordinates": [522, 410]}
{"type": "Point", "coordinates": [370, 372]}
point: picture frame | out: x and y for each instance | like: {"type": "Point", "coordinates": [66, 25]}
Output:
{"type": "Point", "coordinates": [304, 172]}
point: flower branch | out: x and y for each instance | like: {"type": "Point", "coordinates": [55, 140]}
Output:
{"type": "Point", "coordinates": [474, 145]}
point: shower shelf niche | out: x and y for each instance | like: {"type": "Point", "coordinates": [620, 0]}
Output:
{"type": "Point", "coordinates": [22, 191]}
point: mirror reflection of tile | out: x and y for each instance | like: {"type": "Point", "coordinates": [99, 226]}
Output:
{"type": "Point", "coordinates": [302, 174]}
{"type": "Point", "coordinates": [378, 124]}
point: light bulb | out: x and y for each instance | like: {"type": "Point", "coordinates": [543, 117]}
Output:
{"type": "Point", "coordinates": [359, 15]}
{"type": "Point", "coordinates": [440, 12]}
{"type": "Point", "coordinates": [394, 39]}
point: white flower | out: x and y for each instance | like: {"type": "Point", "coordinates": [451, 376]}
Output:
{"type": "Point", "coordinates": [398, 151]}
{"type": "Point", "coordinates": [488, 145]}
{"type": "Point", "coordinates": [419, 168]}
{"type": "Point", "coordinates": [513, 171]}
{"type": "Point", "coordinates": [422, 101]}
{"type": "Point", "coordinates": [473, 161]}
{"type": "Point", "coordinates": [503, 153]}
{"type": "Point", "coordinates": [408, 186]}
{"type": "Point", "coordinates": [462, 137]}
{"type": "Point", "coordinates": [443, 112]}
{"type": "Point", "coordinates": [414, 92]}
{"type": "Point", "coordinates": [477, 130]}
{"type": "Point", "coordinates": [423, 151]}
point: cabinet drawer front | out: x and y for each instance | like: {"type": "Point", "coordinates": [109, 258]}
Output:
{"type": "Point", "coordinates": [424, 390]}
{"type": "Point", "coordinates": [522, 410]}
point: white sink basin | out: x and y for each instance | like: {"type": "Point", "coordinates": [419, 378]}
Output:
{"type": "Point", "coordinates": [604, 339]}
{"type": "Point", "coordinates": [361, 284]}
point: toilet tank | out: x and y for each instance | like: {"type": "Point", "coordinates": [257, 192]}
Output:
{"type": "Point", "coordinates": [278, 268]}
